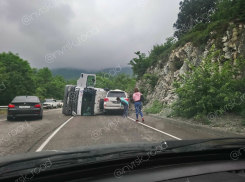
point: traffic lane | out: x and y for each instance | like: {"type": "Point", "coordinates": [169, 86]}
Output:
{"type": "Point", "coordinates": [20, 135]}
{"type": "Point", "coordinates": [84, 131]}
{"type": "Point", "coordinates": [176, 130]}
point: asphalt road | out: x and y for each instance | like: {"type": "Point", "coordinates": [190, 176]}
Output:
{"type": "Point", "coordinates": [58, 132]}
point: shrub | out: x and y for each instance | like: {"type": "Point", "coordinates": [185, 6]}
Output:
{"type": "Point", "coordinates": [205, 89]}
{"type": "Point", "coordinates": [143, 90]}
{"type": "Point", "coordinates": [152, 79]}
{"type": "Point", "coordinates": [155, 108]}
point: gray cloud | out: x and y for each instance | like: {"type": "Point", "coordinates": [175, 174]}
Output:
{"type": "Point", "coordinates": [125, 26]}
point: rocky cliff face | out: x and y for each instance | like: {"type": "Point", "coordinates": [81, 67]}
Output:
{"type": "Point", "coordinates": [233, 43]}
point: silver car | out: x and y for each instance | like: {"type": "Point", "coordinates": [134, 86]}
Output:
{"type": "Point", "coordinates": [60, 103]}
{"type": "Point", "coordinates": [110, 102]}
{"type": "Point", "coordinates": [50, 104]}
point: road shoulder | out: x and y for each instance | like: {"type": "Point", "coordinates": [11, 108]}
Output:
{"type": "Point", "coordinates": [198, 127]}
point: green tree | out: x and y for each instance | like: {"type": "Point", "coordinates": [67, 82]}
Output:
{"type": "Point", "coordinates": [139, 65]}
{"type": "Point", "coordinates": [47, 85]}
{"type": "Point", "coordinates": [42, 79]}
{"type": "Point", "coordinates": [191, 11]}
{"type": "Point", "coordinates": [227, 9]}
{"type": "Point", "coordinates": [71, 82]}
{"type": "Point", "coordinates": [55, 88]}
{"type": "Point", "coordinates": [16, 74]}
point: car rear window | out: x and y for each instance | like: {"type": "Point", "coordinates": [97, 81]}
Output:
{"type": "Point", "coordinates": [116, 94]}
{"type": "Point", "coordinates": [26, 99]}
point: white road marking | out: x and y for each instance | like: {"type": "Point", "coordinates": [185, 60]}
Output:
{"type": "Point", "coordinates": [156, 129]}
{"type": "Point", "coordinates": [4, 120]}
{"type": "Point", "coordinates": [51, 136]}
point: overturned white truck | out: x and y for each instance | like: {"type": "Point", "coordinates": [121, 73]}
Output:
{"type": "Point", "coordinates": [83, 99]}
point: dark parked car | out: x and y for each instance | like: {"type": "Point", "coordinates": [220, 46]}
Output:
{"type": "Point", "coordinates": [25, 106]}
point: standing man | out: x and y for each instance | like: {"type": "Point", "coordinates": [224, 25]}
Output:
{"type": "Point", "coordinates": [125, 104]}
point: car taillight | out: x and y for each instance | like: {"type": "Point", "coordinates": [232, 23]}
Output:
{"type": "Point", "coordinates": [106, 99]}
{"type": "Point", "coordinates": [37, 106]}
{"type": "Point", "coordinates": [11, 106]}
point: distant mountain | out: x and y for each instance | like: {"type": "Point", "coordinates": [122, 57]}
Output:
{"type": "Point", "coordinates": [71, 73]}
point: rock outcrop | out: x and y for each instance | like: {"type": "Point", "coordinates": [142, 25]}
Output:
{"type": "Point", "coordinates": [233, 43]}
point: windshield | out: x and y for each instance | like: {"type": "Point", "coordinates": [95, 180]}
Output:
{"type": "Point", "coordinates": [26, 99]}
{"type": "Point", "coordinates": [49, 100]}
{"type": "Point", "coordinates": [116, 94]}
{"type": "Point", "coordinates": [179, 66]}
{"type": "Point", "coordinates": [90, 81]}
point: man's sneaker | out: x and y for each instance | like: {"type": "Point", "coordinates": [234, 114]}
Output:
{"type": "Point", "coordinates": [143, 120]}
{"type": "Point", "coordinates": [137, 120]}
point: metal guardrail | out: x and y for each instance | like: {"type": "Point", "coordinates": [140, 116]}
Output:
{"type": "Point", "coordinates": [3, 107]}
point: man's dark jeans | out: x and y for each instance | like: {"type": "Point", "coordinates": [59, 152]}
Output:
{"type": "Point", "coordinates": [125, 112]}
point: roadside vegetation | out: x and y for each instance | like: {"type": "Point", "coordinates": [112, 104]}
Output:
{"type": "Point", "coordinates": [208, 88]}
{"type": "Point", "coordinates": [196, 21]}
{"type": "Point", "coordinates": [155, 108]}
{"type": "Point", "coordinates": [119, 81]}
{"type": "Point", "coordinates": [151, 79]}
{"type": "Point", "coordinates": [209, 91]}
{"type": "Point", "coordinates": [141, 63]}
{"type": "Point", "coordinates": [3, 112]}
{"type": "Point", "coordinates": [18, 78]}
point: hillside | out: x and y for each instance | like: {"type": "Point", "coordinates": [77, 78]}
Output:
{"type": "Point", "coordinates": [216, 23]}
{"type": "Point", "coordinates": [71, 73]}
{"type": "Point", "coordinates": [199, 74]}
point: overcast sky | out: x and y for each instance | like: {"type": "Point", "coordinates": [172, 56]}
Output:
{"type": "Point", "coordinates": [86, 34]}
